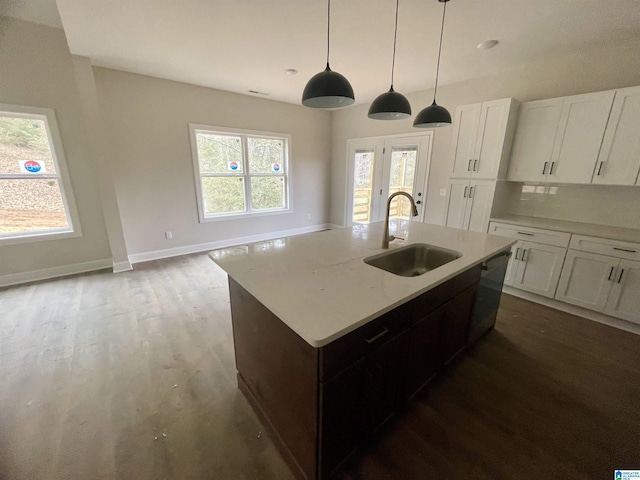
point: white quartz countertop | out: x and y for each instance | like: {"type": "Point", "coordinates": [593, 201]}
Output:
{"type": "Point", "coordinates": [588, 229]}
{"type": "Point", "coordinates": [319, 285]}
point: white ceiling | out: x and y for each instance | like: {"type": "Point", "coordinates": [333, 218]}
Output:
{"type": "Point", "coordinates": [241, 45]}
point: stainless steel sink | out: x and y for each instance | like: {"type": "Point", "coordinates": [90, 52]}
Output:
{"type": "Point", "coordinates": [413, 260]}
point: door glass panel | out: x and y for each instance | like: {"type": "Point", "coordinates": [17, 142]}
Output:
{"type": "Point", "coordinates": [363, 185]}
{"type": "Point", "coordinates": [401, 179]}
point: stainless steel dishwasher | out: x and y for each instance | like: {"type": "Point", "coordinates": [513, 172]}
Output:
{"type": "Point", "coordinates": [489, 294]}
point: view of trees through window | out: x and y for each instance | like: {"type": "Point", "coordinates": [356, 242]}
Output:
{"type": "Point", "coordinates": [30, 194]}
{"type": "Point", "coordinates": [241, 173]}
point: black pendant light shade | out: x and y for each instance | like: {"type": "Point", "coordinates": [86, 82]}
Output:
{"type": "Point", "coordinates": [391, 105]}
{"type": "Point", "coordinates": [434, 115]}
{"type": "Point", "coordinates": [328, 89]}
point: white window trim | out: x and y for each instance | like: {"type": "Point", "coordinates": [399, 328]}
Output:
{"type": "Point", "coordinates": [48, 115]}
{"type": "Point", "coordinates": [197, 176]}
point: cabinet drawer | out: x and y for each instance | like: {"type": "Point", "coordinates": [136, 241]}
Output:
{"type": "Point", "coordinates": [530, 234]}
{"type": "Point", "coordinates": [604, 246]}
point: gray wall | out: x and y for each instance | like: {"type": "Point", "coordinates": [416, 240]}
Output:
{"type": "Point", "coordinates": [36, 70]}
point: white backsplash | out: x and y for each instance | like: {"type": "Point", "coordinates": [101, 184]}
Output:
{"type": "Point", "coordinates": [614, 206]}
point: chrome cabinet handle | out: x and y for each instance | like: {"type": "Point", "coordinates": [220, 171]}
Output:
{"type": "Point", "coordinates": [465, 192]}
{"type": "Point", "coordinates": [523, 254]}
{"type": "Point", "coordinates": [384, 331]}
{"type": "Point", "coordinates": [470, 192]}
{"type": "Point", "coordinates": [610, 273]}
{"type": "Point", "coordinates": [469, 166]}
{"type": "Point", "coordinates": [527, 233]}
{"type": "Point", "coordinates": [544, 168]}
{"type": "Point", "coordinates": [600, 168]}
{"type": "Point", "coordinates": [551, 169]}
{"type": "Point", "coordinates": [475, 162]}
{"type": "Point", "coordinates": [620, 277]}
{"type": "Point", "coordinates": [624, 250]}
{"type": "Point", "coordinates": [517, 252]}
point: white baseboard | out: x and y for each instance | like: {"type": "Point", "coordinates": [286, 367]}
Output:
{"type": "Point", "coordinates": [334, 226]}
{"type": "Point", "coordinates": [53, 272]}
{"type": "Point", "coordinates": [575, 310]}
{"type": "Point", "coordinates": [203, 247]}
{"type": "Point", "coordinates": [122, 266]}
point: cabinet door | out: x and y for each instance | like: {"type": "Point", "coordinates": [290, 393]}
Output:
{"type": "Point", "coordinates": [539, 269]}
{"type": "Point", "coordinates": [514, 263]}
{"type": "Point", "coordinates": [457, 203]}
{"type": "Point", "coordinates": [455, 324]}
{"type": "Point", "coordinates": [464, 139]}
{"type": "Point", "coordinates": [479, 203]}
{"type": "Point", "coordinates": [624, 300]}
{"type": "Point", "coordinates": [422, 351]}
{"type": "Point", "coordinates": [492, 138]}
{"type": "Point", "coordinates": [535, 137]}
{"type": "Point", "coordinates": [582, 125]}
{"type": "Point", "coordinates": [619, 160]}
{"type": "Point", "coordinates": [586, 279]}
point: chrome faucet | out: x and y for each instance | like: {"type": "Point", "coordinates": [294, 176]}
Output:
{"type": "Point", "coordinates": [386, 238]}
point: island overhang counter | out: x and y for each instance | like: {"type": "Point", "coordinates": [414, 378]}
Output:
{"type": "Point", "coordinates": [328, 348]}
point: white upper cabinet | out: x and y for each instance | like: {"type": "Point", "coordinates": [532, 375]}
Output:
{"type": "Point", "coordinates": [535, 137]}
{"type": "Point", "coordinates": [482, 138]}
{"type": "Point", "coordinates": [469, 204]}
{"type": "Point", "coordinates": [619, 160]}
{"type": "Point", "coordinates": [559, 140]}
{"type": "Point", "coordinates": [582, 125]}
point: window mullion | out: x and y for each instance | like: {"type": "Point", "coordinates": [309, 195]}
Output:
{"type": "Point", "coordinates": [247, 174]}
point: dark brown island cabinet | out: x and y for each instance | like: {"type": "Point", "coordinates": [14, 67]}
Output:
{"type": "Point", "coordinates": [322, 403]}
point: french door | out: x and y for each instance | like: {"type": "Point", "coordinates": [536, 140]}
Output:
{"type": "Point", "coordinates": [380, 166]}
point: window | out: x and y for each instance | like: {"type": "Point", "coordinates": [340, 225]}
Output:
{"type": "Point", "coordinates": [239, 173]}
{"type": "Point", "coordinates": [35, 194]}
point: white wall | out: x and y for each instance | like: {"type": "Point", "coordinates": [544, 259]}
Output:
{"type": "Point", "coordinates": [598, 69]}
{"type": "Point", "coordinates": [36, 70]}
{"type": "Point", "coordinates": [152, 163]}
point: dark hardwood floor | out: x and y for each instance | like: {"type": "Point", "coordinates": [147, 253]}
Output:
{"type": "Point", "coordinates": [132, 376]}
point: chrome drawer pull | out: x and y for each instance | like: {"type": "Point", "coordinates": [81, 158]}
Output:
{"type": "Point", "coordinates": [376, 337]}
{"type": "Point", "coordinates": [625, 250]}
{"type": "Point", "coordinates": [527, 233]}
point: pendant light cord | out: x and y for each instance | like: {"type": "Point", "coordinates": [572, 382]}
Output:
{"type": "Point", "coordinates": [444, 12]}
{"type": "Point", "coordinates": [328, 28]}
{"type": "Point", "coordinates": [395, 38]}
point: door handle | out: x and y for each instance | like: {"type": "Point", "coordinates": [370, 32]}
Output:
{"type": "Point", "coordinates": [475, 162]}
{"type": "Point", "coordinates": [465, 192]}
{"type": "Point", "coordinates": [418, 202]}
{"type": "Point", "coordinates": [551, 169]}
{"type": "Point", "coordinates": [620, 277]}
{"type": "Point", "coordinates": [610, 273]}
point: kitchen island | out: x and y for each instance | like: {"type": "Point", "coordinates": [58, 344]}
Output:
{"type": "Point", "coordinates": [328, 348]}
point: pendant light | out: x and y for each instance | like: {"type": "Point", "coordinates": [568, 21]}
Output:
{"type": "Point", "coordinates": [391, 105]}
{"type": "Point", "coordinates": [435, 115]}
{"type": "Point", "coordinates": [328, 89]}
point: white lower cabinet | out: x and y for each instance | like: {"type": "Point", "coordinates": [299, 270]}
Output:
{"type": "Point", "coordinates": [586, 279]}
{"type": "Point", "coordinates": [624, 299]}
{"type": "Point", "coordinates": [535, 267]}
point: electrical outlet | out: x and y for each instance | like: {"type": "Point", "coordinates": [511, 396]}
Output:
{"type": "Point", "coordinates": [168, 235]}
{"type": "Point", "coordinates": [443, 192]}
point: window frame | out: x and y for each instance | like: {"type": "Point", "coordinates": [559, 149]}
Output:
{"type": "Point", "coordinates": [48, 116]}
{"type": "Point", "coordinates": [246, 174]}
